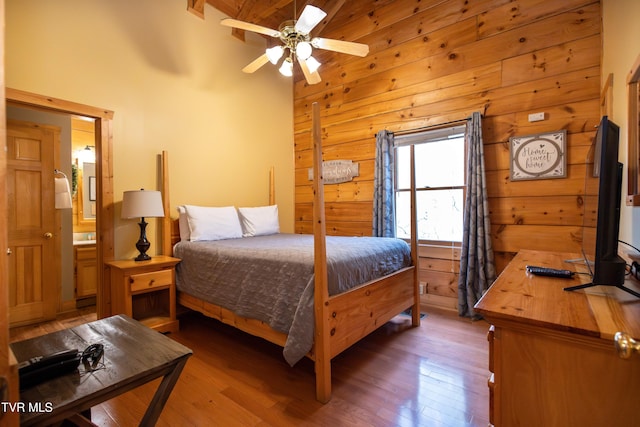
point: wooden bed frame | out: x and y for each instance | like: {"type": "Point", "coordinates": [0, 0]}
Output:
{"type": "Point", "coordinates": [340, 320]}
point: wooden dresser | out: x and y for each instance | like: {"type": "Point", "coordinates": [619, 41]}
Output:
{"type": "Point", "coordinates": [552, 358]}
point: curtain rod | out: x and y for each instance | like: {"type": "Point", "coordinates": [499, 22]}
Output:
{"type": "Point", "coordinates": [431, 127]}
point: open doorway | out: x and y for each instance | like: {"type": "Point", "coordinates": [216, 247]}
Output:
{"type": "Point", "coordinates": [103, 188]}
{"type": "Point", "coordinates": [71, 251]}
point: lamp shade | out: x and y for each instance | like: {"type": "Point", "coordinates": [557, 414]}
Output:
{"type": "Point", "coordinates": [142, 204]}
{"type": "Point", "coordinates": [313, 64]}
{"type": "Point", "coordinates": [303, 50]}
{"type": "Point", "coordinates": [274, 54]}
{"type": "Point", "coordinates": [286, 69]}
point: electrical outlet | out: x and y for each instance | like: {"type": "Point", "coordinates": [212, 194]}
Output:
{"type": "Point", "coordinates": [536, 117]}
{"type": "Point", "coordinates": [422, 288]}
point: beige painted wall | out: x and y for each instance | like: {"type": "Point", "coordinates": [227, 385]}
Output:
{"type": "Point", "coordinates": [175, 83]}
{"type": "Point", "coordinates": [621, 49]}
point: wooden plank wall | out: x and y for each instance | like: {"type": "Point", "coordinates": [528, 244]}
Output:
{"type": "Point", "coordinates": [435, 61]}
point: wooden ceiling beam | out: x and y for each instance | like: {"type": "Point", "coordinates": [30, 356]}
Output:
{"type": "Point", "coordinates": [268, 13]}
{"type": "Point", "coordinates": [261, 14]}
{"type": "Point", "coordinates": [228, 7]}
{"type": "Point", "coordinates": [196, 7]}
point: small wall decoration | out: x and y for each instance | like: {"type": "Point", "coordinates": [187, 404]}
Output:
{"type": "Point", "coordinates": [539, 156]}
{"type": "Point", "coordinates": [337, 171]}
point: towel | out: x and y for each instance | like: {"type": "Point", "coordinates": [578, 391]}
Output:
{"type": "Point", "coordinates": [63, 193]}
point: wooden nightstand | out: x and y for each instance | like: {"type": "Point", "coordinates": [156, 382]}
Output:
{"type": "Point", "coordinates": [146, 291]}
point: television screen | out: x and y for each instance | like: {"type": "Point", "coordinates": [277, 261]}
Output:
{"type": "Point", "coordinates": [590, 210]}
{"type": "Point", "coordinates": [601, 214]}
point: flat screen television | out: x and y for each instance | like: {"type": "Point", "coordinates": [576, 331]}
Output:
{"type": "Point", "coordinates": [601, 219]}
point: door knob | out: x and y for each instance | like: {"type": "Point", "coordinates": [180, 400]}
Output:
{"type": "Point", "coordinates": [9, 251]}
{"type": "Point", "coordinates": [626, 345]}
{"type": "Point", "coordinates": [48, 235]}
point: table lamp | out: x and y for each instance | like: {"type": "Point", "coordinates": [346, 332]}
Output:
{"type": "Point", "coordinates": [142, 204]}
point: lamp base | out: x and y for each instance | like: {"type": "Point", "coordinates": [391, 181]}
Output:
{"type": "Point", "coordinates": [142, 244]}
{"type": "Point", "coordinates": [142, 257]}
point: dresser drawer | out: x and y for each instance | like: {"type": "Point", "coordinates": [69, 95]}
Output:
{"type": "Point", "coordinates": [88, 252]}
{"type": "Point", "coordinates": [154, 279]}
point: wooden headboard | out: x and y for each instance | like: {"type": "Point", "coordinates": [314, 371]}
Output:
{"type": "Point", "coordinates": [170, 226]}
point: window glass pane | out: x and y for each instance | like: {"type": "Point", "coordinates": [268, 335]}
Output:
{"type": "Point", "coordinates": [403, 214]}
{"type": "Point", "coordinates": [403, 167]}
{"type": "Point", "coordinates": [440, 215]}
{"type": "Point", "coordinates": [440, 163]}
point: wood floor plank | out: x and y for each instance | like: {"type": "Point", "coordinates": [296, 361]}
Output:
{"type": "Point", "coordinates": [434, 375]}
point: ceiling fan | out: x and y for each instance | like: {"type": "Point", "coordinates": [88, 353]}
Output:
{"type": "Point", "coordinates": [295, 38]}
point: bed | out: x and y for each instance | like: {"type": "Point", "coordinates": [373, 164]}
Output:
{"type": "Point", "coordinates": [331, 313]}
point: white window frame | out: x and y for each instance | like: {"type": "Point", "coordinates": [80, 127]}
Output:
{"type": "Point", "coordinates": [425, 137]}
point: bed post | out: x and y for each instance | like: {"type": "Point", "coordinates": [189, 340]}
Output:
{"type": "Point", "coordinates": [272, 187]}
{"type": "Point", "coordinates": [321, 292]}
{"type": "Point", "coordinates": [166, 221]}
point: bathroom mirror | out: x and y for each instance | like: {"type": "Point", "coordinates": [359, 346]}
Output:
{"type": "Point", "coordinates": [89, 191]}
{"type": "Point", "coordinates": [85, 207]}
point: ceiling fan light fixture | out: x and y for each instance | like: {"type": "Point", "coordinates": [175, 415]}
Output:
{"type": "Point", "coordinates": [313, 64]}
{"type": "Point", "coordinates": [274, 54]}
{"type": "Point", "coordinates": [303, 50]}
{"type": "Point", "coordinates": [287, 68]}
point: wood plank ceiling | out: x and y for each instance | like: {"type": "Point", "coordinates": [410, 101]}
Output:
{"type": "Point", "coordinates": [268, 13]}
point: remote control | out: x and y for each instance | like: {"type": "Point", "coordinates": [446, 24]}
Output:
{"type": "Point", "coordinates": [51, 359]}
{"type": "Point", "coordinates": [550, 272]}
{"type": "Point", "coordinates": [42, 368]}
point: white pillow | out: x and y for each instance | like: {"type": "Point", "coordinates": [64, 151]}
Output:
{"type": "Point", "coordinates": [259, 221]}
{"type": "Point", "coordinates": [213, 223]}
{"type": "Point", "coordinates": [183, 224]}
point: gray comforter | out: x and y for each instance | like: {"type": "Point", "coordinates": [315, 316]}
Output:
{"type": "Point", "coordinates": [270, 278]}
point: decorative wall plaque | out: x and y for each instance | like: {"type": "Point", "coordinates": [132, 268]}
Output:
{"type": "Point", "coordinates": [539, 156]}
{"type": "Point", "coordinates": [337, 171]}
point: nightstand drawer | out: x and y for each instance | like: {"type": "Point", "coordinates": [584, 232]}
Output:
{"type": "Point", "coordinates": [154, 279]}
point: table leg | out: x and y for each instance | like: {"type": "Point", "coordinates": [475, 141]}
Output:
{"type": "Point", "coordinates": [162, 394]}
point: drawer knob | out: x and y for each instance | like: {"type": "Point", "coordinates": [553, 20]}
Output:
{"type": "Point", "coordinates": [626, 345]}
{"type": "Point", "coordinates": [151, 282]}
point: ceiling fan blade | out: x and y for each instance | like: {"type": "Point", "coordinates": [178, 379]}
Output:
{"type": "Point", "coordinates": [312, 78]}
{"type": "Point", "coordinates": [257, 63]}
{"type": "Point", "coordinates": [234, 23]}
{"type": "Point", "coordinates": [310, 17]}
{"type": "Point", "coordinates": [351, 48]}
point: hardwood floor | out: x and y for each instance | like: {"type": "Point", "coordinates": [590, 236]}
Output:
{"type": "Point", "coordinates": [434, 375]}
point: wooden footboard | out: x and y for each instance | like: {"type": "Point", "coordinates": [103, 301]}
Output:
{"type": "Point", "coordinates": [354, 314]}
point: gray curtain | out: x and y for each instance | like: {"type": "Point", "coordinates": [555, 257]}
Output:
{"type": "Point", "coordinates": [477, 266]}
{"type": "Point", "coordinates": [384, 218]}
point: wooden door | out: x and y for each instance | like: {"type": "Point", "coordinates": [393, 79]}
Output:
{"type": "Point", "coordinates": [34, 279]}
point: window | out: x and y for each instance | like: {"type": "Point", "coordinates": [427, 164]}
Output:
{"type": "Point", "coordinates": [439, 157]}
